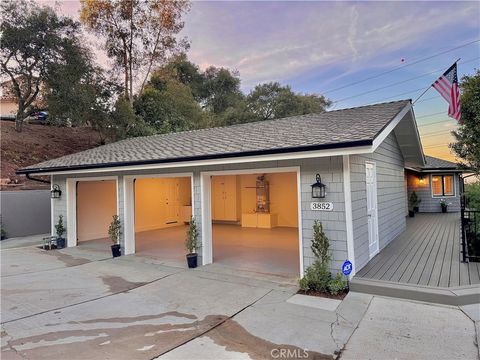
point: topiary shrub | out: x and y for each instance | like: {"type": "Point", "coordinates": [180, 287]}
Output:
{"type": "Point", "coordinates": [320, 243]}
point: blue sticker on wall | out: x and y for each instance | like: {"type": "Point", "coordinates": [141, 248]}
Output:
{"type": "Point", "coordinates": [347, 268]}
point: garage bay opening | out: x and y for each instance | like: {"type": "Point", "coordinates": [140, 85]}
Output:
{"type": "Point", "coordinates": [163, 208]}
{"type": "Point", "coordinates": [255, 222]}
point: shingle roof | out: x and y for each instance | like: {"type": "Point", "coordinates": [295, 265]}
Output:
{"type": "Point", "coordinates": [332, 129]}
{"type": "Point", "coordinates": [436, 163]}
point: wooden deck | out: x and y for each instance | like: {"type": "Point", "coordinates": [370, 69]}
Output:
{"type": "Point", "coordinates": [427, 253]}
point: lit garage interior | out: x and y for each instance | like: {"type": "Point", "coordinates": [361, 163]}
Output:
{"type": "Point", "coordinates": [96, 205]}
{"type": "Point", "coordinates": [255, 222]}
{"type": "Point", "coordinates": [163, 208]}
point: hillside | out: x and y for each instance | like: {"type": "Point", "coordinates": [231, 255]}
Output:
{"type": "Point", "coordinates": [38, 143]}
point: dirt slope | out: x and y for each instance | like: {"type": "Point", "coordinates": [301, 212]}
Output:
{"type": "Point", "coordinates": [38, 143]}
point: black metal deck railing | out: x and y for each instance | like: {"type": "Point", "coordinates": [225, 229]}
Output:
{"type": "Point", "coordinates": [470, 232]}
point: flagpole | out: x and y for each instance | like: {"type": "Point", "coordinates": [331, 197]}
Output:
{"type": "Point", "coordinates": [423, 93]}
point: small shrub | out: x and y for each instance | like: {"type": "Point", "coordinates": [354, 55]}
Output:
{"type": "Point", "coordinates": [320, 243]}
{"type": "Point", "coordinates": [337, 284]}
{"type": "Point", "coordinates": [3, 232]}
{"type": "Point", "coordinates": [303, 284]}
{"type": "Point", "coordinates": [317, 277]}
{"type": "Point", "coordinates": [191, 242]}
{"type": "Point", "coordinates": [413, 201]}
{"type": "Point", "coordinates": [59, 228]}
{"type": "Point", "coordinates": [114, 230]}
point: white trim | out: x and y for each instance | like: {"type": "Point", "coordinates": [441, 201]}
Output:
{"type": "Point", "coordinates": [443, 196]}
{"type": "Point", "coordinates": [52, 212]}
{"type": "Point", "coordinates": [348, 212]}
{"type": "Point", "coordinates": [377, 235]}
{"type": "Point", "coordinates": [71, 190]}
{"type": "Point", "coordinates": [224, 161]}
{"type": "Point", "coordinates": [389, 128]}
{"type": "Point", "coordinates": [205, 189]}
{"type": "Point", "coordinates": [129, 203]}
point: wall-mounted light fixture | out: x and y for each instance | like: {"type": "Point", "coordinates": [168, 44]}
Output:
{"type": "Point", "coordinates": [56, 193]}
{"type": "Point", "coordinates": [421, 178]}
{"type": "Point", "coordinates": [318, 189]}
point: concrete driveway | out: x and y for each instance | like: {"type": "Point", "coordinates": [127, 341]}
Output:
{"type": "Point", "coordinates": [79, 304]}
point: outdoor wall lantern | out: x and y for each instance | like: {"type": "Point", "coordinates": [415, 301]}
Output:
{"type": "Point", "coordinates": [56, 192]}
{"type": "Point", "coordinates": [318, 189]}
{"type": "Point", "coordinates": [421, 179]}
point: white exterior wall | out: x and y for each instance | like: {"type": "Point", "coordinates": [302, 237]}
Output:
{"type": "Point", "coordinates": [391, 197]}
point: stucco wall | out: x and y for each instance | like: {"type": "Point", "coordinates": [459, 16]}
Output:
{"type": "Point", "coordinates": [25, 212]}
{"type": "Point", "coordinates": [391, 199]}
{"type": "Point", "coordinates": [424, 192]}
{"type": "Point", "coordinates": [330, 168]}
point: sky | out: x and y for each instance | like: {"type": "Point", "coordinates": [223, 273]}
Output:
{"type": "Point", "coordinates": [340, 49]}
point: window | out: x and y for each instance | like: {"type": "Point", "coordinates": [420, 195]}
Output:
{"type": "Point", "coordinates": [442, 185]}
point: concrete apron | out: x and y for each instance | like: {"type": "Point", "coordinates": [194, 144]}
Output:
{"type": "Point", "coordinates": [81, 305]}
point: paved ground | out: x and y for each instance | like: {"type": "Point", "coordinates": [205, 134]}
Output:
{"type": "Point", "coordinates": [81, 304]}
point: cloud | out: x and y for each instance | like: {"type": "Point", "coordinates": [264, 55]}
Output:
{"type": "Point", "coordinates": [277, 41]}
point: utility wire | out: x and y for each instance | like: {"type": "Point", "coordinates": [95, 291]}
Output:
{"type": "Point", "coordinates": [400, 67]}
{"type": "Point", "coordinates": [401, 82]}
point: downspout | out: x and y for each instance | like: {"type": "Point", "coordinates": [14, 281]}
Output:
{"type": "Point", "coordinates": [29, 177]}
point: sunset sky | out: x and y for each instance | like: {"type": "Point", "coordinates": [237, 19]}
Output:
{"type": "Point", "coordinates": [324, 47]}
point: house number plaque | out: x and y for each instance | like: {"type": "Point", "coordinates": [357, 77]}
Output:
{"type": "Point", "coordinates": [321, 206]}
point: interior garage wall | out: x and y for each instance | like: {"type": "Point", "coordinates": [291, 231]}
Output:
{"type": "Point", "coordinates": [96, 204]}
{"type": "Point", "coordinates": [283, 196]}
{"type": "Point", "coordinates": [158, 202]}
{"type": "Point", "coordinates": [390, 197]}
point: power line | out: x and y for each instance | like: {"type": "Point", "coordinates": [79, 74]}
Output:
{"type": "Point", "coordinates": [400, 67]}
{"type": "Point", "coordinates": [435, 134]}
{"type": "Point", "coordinates": [435, 146]}
{"type": "Point", "coordinates": [400, 82]}
{"type": "Point", "coordinates": [429, 115]}
{"type": "Point", "coordinates": [434, 123]}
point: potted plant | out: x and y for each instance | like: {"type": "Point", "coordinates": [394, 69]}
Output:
{"type": "Point", "coordinates": [191, 244]}
{"type": "Point", "coordinates": [3, 232]}
{"type": "Point", "coordinates": [416, 208]}
{"type": "Point", "coordinates": [413, 202]}
{"type": "Point", "coordinates": [443, 205]}
{"type": "Point", "coordinates": [114, 231]}
{"type": "Point", "coordinates": [60, 229]}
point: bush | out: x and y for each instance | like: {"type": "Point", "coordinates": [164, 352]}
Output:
{"type": "Point", "coordinates": [337, 284]}
{"type": "Point", "coordinates": [317, 277]}
{"type": "Point", "coordinates": [191, 242]}
{"type": "Point", "coordinates": [60, 229]}
{"type": "Point", "coordinates": [115, 229]}
{"type": "Point", "coordinates": [320, 244]}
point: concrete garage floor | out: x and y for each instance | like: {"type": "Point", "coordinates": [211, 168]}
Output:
{"type": "Point", "coordinates": [77, 304]}
{"type": "Point", "coordinates": [269, 251]}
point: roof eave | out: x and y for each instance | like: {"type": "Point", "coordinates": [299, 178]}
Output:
{"type": "Point", "coordinates": [106, 166]}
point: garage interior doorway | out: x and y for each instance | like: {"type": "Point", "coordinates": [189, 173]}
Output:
{"type": "Point", "coordinates": [255, 222]}
{"type": "Point", "coordinates": [96, 204]}
{"type": "Point", "coordinates": [163, 208]}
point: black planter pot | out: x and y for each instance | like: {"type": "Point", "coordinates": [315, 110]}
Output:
{"type": "Point", "coordinates": [192, 260]}
{"type": "Point", "coordinates": [60, 243]}
{"type": "Point", "coordinates": [444, 209]}
{"type": "Point", "coordinates": [416, 209]}
{"type": "Point", "coordinates": [116, 250]}
{"type": "Point", "coordinates": [411, 213]}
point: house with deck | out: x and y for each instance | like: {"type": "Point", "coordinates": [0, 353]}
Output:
{"type": "Point", "coordinates": [254, 189]}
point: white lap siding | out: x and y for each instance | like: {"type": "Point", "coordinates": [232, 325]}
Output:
{"type": "Point", "coordinates": [330, 169]}
{"type": "Point", "coordinates": [390, 197]}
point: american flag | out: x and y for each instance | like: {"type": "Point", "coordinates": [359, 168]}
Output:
{"type": "Point", "coordinates": [447, 86]}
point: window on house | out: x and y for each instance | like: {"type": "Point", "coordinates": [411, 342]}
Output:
{"type": "Point", "coordinates": [442, 185]}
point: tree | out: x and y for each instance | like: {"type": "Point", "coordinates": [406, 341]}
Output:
{"type": "Point", "coordinates": [220, 90]}
{"type": "Point", "coordinates": [168, 105]}
{"type": "Point", "coordinates": [467, 136]}
{"type": "Point", "coordinates": [32, 39]}
{"type": "Point", "coordinates": [78, 92]}
{"type": "Point", "coordinates": [272, 100]}
{"type": "Point", "coordinates": [123, 123]}
{"type": "Point", "coordinates": [140, 34]}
